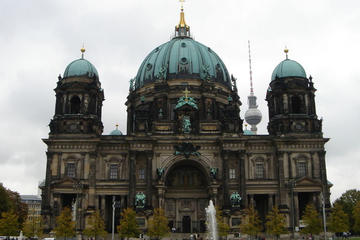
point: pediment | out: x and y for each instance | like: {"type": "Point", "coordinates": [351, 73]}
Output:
{"type": "Point", "coordinates": [65, 182]}
{"type": "Point", "coordinates": [306, 181]}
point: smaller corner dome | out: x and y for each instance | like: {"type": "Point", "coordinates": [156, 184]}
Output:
{"type": "Point", "coordinates": [288, 68]}
{"type": "Point", "coordinates": [248, 132]}
{"type": "Point", "coordinates": [116, 132]}
{"type": "Point", "coordinates": [80, 67]}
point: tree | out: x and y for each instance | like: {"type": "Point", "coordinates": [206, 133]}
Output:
{"type": "Point", "coordinates": [4, 200]}
{"type": "Point", "coordinates": [276, 223]}
{"type": "Point", "coordinates": [9, 224]}
{"type": "Point", "coordinates": [96, 226]}
{"type": "Point", "coordinates": [312, 220]}
{"type": "Point", "coordinates": [158, 225]}
{"type": "Point", "coordinates": [128, 226]}
{"type": "Point", "coordinates": [19, 208]}
{"type": "Point", "coordinates": [11, 201]}
{"type": "Point", "coordinates": [252, 225]}
{"type": "Point", "coordinates": [338, 220]}
{"type": "Point", "coordinates": [356, 217]}
{"type": "Point", "coordinates": [222, 227]}
{"type": "Point", "coordinates": [33, 227]}
{"type": "Point", "coordinates": [348, 201]}
{"type": "Point", "coordinates": [65, 226]}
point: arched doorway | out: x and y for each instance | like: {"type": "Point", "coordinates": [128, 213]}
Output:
{"type": "Point", "coordinates": [186, 196]}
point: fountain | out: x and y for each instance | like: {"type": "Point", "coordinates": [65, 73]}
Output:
{"type": "Point", "coordinates": [211, 221]}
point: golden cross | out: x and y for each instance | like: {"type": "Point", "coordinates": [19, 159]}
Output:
{"type": "Point", "coordinates": [182, 4]}
{"type": "Point", "coordinates": [186, 92]}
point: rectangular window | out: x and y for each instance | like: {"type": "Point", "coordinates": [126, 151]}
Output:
{"type": "Point", "coordinates": [113, 171]}
{"type": "Point", "coordinates": [259, 171]}
{"type": "Point", "coordinates": [232, 173]}
{"type": "Point", "coordinates": [142, 173]}
{"type": "Point", "coordinates": [70, 170]}
{"type": "Point", "coordinates": [301, 169]}
{"type": "Point", "coordinates": [235, 222]}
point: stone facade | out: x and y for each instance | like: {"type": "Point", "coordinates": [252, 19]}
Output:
{"type": "Point", "coordinates": [184, 146]}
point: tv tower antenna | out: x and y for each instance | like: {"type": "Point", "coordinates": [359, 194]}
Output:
{"type": "Point", "coordinates": [252, 115]}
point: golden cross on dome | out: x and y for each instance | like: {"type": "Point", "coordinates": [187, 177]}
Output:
{"type": "Point", "coordinates": [186, 92]}
{"type": "Point", "coordinates": [182, 4]}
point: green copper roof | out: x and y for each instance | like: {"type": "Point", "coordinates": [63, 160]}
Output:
{"type": "Point", "coordinates": [182, 56]}
{"type": "Point", "coordinates": [80, 67]}
{"type": "Point", "coordinates": [116, 132]}
{"type": "Point", "coordinates": [288, 68]}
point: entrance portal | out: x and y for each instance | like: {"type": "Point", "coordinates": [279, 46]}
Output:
{"type": "Point", "coordinates": [186, 196]}
{"type": "Point", "coordinates": [186, 224]}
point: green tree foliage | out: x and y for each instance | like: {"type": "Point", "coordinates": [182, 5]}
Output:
{"type": "Point", "coordinates": [222, 227]}
{"type": "Point", "coordinates": [252, 224]}
{"type": "Point", "coordinates": [338, 220]}
{"type": "Point", "coordinates": [33, 227]}
{"type": "Point", "coordinates": [348, 201]}
{"type": "Point", "coordinates": [275, 223]}
{"type": "Point", "coordinates": [9, 224]}
{"type": "Point", "coordinates": [65, 226]}
{"type": "Point", "coordinates": [356, 217]}
{"type": "Point", "coordinates": [128, 226]}
{"type": "Point", "coordinates": [312, 221]}
{"type": "Point", "coordinates": [158, 225]}
{"type": "Point", "coordinates": [4, 200]}
{"type": "Point", "coordinates": [96, 226]}
{"type": "Point", "coordinates": [11, 201]}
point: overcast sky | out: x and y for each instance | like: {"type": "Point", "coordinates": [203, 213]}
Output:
{"type": "Point", "coordinates": [38, 38]}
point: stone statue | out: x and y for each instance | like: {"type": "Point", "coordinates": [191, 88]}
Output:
{"type": "Point", "coordinates": [160, 172]}
{"type": "Point", "coordinates": [213, 172]}
{"type": "Point", "coordinates": [205, 72]}
{"type": "Point", "coordinates": [140, 200]}
{"type": "Point", "coordinates": [235, 199]}
{"type": "Point", "coordinates": [131, 88]}
{"type": "Point", "coordinates": [162, 73]}
{"type": "Point", "coordinates": [186, 124]}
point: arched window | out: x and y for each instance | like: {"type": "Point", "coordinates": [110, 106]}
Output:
{"type": "Point", "coordinates": [296, 104]}
{"type": "Point", "coordinates": [75, 105]}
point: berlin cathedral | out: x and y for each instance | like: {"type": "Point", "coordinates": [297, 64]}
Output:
{"type": "Point", "coordinates": [185, 143]}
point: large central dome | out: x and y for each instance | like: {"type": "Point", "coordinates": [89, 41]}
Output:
{"type": "Point", "coordinates": [182, 57]}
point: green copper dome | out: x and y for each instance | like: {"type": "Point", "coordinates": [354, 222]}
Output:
{"type": "Point", "coordinates": [288, 68]}
{"type": "Point", "coordinates": [80, 67]}
{"type": "Point", "coordinates": [182, 57]}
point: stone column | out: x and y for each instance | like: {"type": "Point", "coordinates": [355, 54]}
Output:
{"type": "Point", "coordinates": [242, 177]}
{"type": "Point", "coordinates": [132, 178]}
{"type": "Point", "coordinates": [225, 158]}
{"type": "Point", "coordinates": [102, 205]}
{"type": "Point", "coordinates": [270, 202]}
{"type": "Point", "coordinates": [149, 156]}
{"type": "Point", "coordinates": [252, 202]}
{"type": "Point", "coordinates": [296, 209]}
{"type": "Point", "coordinates": [161, 195]}
{"type": "Point", "coordinates": [91, 158]}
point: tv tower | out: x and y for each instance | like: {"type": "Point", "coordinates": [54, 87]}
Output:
{"type": "Point", "coordinates": [252, 115]}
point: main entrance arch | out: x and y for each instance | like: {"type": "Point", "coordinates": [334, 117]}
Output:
{"type": "Point", "coordinates": [186, 196]}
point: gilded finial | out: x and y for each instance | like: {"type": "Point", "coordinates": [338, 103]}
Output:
{"type": "Point", "coordinates": [182, 30]}
{"type": "Point", "coordinates": [82, 50]}
{"type": "Point", "coordinates": [286, 50]}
